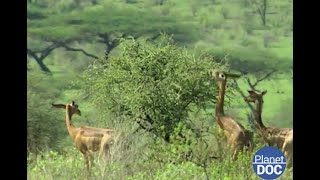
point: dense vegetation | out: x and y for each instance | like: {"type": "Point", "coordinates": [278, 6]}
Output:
{"type": "Point", "coordinates": [142, 66]}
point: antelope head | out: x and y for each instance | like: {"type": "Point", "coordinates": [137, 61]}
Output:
{"type": "Point", "coordinates": [72, 107]}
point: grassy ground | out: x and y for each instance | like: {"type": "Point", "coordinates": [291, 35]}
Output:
{"type": "Point", "coordinates": [71, 166]}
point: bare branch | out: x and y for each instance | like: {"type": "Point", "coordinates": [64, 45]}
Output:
{"type": "Point", "coordinates": [110, 43]}
{"type": "Point", "coordinates": [243, 95]}
{"type": "Point", "coordinates": [43, 54]}
{"type": "Point", "coordinates": [260, 11]}
{"type": "Point", "coordinates": [49, 49]}
{"type": "Point", "coordinates": [104, 38]}
{"type": "Point", "coordinates": [53, 45]}
{"type": "Point", "coordinates": [32, 53]}
{"type": "Point", "coordinates": [68, 48]}
{"type": "Point", "coordinates": [250, 84]}
{"type": "Point", "coordinates": [264, 77]}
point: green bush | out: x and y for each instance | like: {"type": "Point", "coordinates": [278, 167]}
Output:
{"type": "Point", "coordinates": [154, 84]}
{"type": "Point", "coordinates": [44, 128]}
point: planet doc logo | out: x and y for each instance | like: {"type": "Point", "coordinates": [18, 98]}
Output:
{"type": "Point", "coordinates": [269, 163]}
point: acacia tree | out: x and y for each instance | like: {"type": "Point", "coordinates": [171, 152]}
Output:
{"type": "Point", "coordinates": [270, 10]}
{"type": "Point", "coordinates": [106, 25]}
{"type": "Point", "coordinates": [153, 85]}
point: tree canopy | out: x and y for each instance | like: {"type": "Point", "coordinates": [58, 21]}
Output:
{"type": "Point", "coordinates": [156, 85]}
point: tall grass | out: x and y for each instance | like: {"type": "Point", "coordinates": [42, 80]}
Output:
{"type": "Point", "coordinates": [51, 165]}
{"type": "Point", "coordinates": [138, 162]}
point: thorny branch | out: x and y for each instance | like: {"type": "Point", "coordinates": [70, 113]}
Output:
{"type": "Point", "coordinates": [252, 86]}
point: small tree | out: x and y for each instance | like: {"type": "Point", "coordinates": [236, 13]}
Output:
{"type": "Point", "coordinates": [154, 85]}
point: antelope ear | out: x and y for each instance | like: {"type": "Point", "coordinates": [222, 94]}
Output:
{"type": "Point", "coordinates": [250, 91]}
{"type": "Point", "coordinates": [59, 105]}
{"type": "Point", "coordinates": [264, 92]}
{"type": "Point", "coordinates": [73, 103]}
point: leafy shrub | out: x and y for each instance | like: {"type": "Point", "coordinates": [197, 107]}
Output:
{"type": "Point", "coordinates": [154, 85]}
{"type": "Point", "coordinates": [44, 128]}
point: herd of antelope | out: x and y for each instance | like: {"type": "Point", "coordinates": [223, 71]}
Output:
{"type": "Point", "coordinates": [89, 140]}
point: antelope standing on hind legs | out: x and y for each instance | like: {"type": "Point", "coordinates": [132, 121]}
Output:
{"type": "Point", "coordinates": [88, 140]}
{"type": "Point", "coordinates": [238, 137]}
{"type": "Point", "coordinates": [282, 138]}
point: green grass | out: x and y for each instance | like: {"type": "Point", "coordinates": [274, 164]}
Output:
{"type": "Point", "coordinates": [51, 165]}
{"type": "Point", "coordinates": [283, 49]}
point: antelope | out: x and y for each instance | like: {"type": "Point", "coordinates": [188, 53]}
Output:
{"type": "Point", "coordinates": [237, 136]}
{"type": "Point", "coordinates": [282, 138]}
{"type": "Point", "coordinates": [88, 140]}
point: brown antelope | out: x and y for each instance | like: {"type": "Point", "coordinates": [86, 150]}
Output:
{"type": "Point", "coordinates": [282, 138]}
{"type": "Point", "coordinates": [238, 137]}
{"type": "Point", "coordinates": [88, 140]}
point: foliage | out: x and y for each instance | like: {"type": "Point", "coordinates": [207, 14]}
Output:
{"type": "Point", "coordinates": [156, 84]}
{"type": "Point", "coordinates": [224, 26]}
{"type": "Point", "coordinates": [82, 24]}
{"type": "Point", "coordinates": [44, 129]}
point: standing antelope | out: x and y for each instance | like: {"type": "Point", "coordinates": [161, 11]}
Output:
{"type": "Point", "coordinates": [282, 138]}
{"type": "Point", "coordinates": [88, 140]}
{"type": "Point", "coordinates": [238, 137]}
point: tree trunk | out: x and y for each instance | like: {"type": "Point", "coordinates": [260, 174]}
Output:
{"type": "Point", "coordinates": [264, 13]}
{"type": "Point", "coordinates": [42, 55]}
{"type": "Point", "coordinates": [42, 66]}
